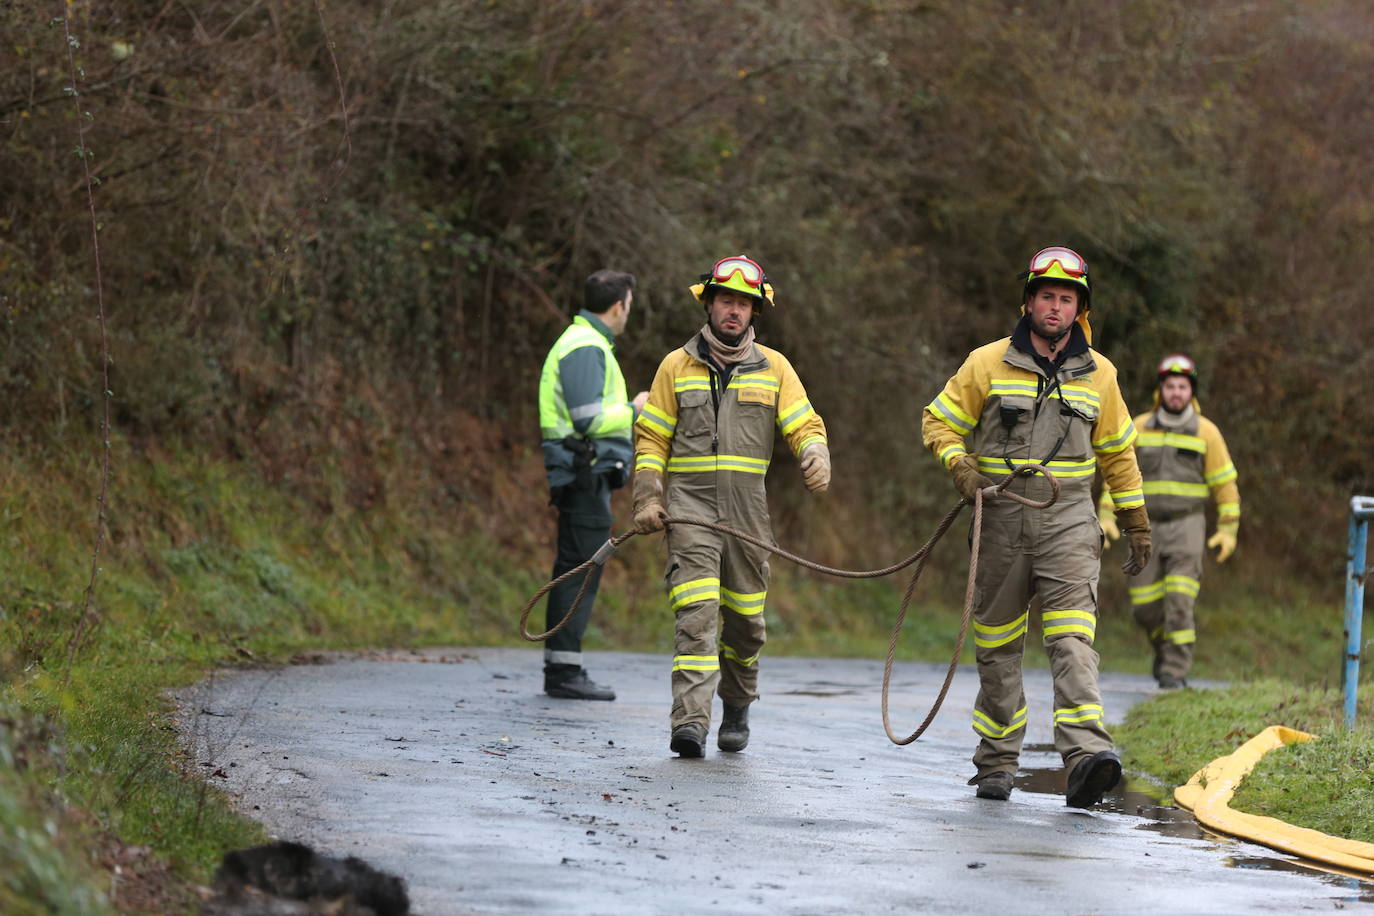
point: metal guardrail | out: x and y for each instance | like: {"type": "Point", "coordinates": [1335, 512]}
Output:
{"type": "Point", "coordinates": [1356, 577]}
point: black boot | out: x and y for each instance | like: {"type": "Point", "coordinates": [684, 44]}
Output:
{"type": "Point", "coordinates": [570, 682]}
{"type": "Point", "coordinates": [733, 734]}
{"type": "Point", "coordinates": [689, 740]}
{"type": "Point", "coordinates": [1091, 779]}
{"type": "Point", "coordinates": [996, 785]}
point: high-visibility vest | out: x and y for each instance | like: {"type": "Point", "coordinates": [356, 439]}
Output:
{"type": "Point", "coordinates": [609, 432]}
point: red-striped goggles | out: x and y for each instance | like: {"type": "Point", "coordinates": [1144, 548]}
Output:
{"type": "Point", "coordinates": [1070, 262]}
{"type": "Point", "coordinates": [1177, 364]}
{"type": "Point", "coordinates": [749, 271]}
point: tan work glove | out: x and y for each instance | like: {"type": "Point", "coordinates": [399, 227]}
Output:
{"type": "Point", "coordinates": [815, 466]}
{"type": "Point", "coordinates": [1224, 540]}
{"type": "Point", "coordinates": [968, 480]}
{"type": "Point", "coordinates": [649, 511]}
{"type": "Point", "coordinates": [1135, 524]}
{"type": "Point", "coordinates": [1106, 518]}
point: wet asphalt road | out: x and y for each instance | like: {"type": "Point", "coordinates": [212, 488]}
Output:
{"type": "Point", "coordinates": [452, 769]}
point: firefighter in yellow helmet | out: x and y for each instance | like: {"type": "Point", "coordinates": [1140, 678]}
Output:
{"type": "Point", "coordinates": [1043, 396]}
{"type": "Point", "coordinates": [709, 426]}
{"type": "Point", "coordinates": [1184, 461]}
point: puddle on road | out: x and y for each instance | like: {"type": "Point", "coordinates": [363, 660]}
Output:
{"type": "Point", "coordinates": [823, 689]}
{"type": "Point", "coordinates": [1172, 821]}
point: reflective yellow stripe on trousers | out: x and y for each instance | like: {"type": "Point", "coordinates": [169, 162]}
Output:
{"type": "Point", "coordinates": [990, 637]}
{"type": "Point", "coordinates": [696, 663]}
{"type": "Point", "coordinates": [736, 657]}
{"type": "Point", "coordinates": [1075, 622]}
{"type": "Point", "coordinates": [1089, 712]}
{"type": "Point", "coordinates": [694, 591]}
{"type": "Point", "coordinates": [749, 603]}
{"type": "Point", "coordinates": [984, 724]}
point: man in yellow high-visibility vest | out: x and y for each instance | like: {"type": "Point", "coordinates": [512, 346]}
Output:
{"type": "Point", "coordinates": [585, 422]}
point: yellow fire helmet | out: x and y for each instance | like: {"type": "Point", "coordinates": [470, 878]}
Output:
{"type": "Point", "coordinates": [1062, 265]}
{"type": "Point", "coordinates": [1178, 364]}
{"type": "Point", "coordinates": [738, 272]}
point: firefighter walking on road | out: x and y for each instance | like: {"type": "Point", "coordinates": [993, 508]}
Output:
{"type": "Point", "coordinates": [585, 421]}
{"type": "Point", "coordinates": [1042, 396]}
{"type": "Point", "coordinates": [1184, 461]}
{"type": "Point", "coordinates": [709, 427]}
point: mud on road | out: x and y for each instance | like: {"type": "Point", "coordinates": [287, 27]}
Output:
{"type": "Point", "coordinates": [487, 796]}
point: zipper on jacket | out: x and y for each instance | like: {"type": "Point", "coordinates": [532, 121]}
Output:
{"type": "Point", "coordinates": [715, 412]}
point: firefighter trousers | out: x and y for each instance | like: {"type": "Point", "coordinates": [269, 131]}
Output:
{"type": "Point", "coordinates": [1163, 594]}
{"type": "Point", "coordinates": [1022, 558]}
{"type": "Point", "coordinates": [717, 585]}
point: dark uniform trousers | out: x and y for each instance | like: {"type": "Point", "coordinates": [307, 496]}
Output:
{"type": "Point", "coordinates": [584, 524]}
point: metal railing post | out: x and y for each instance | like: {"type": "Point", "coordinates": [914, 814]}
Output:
{"type": "Point", "coordinates": [1361, 511]}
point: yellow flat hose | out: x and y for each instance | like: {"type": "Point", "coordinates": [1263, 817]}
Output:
{"type": "Point", "coordinates": [1208, 795]}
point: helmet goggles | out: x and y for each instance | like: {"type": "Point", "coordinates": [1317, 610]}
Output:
{"type": "Point", "coordinates": [748, 269]}
{"type": "Point", "coordinates": [739, 273]}
{"type": "Point", "coordinates": [1071, 263]}
{"type": "Point", "coordinates": [1177, 364]}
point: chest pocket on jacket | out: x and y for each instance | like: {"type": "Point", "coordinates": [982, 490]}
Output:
{"type": "Point", "coordinates": [694, 414]}
{"type": "Point", "coordinates": [1078, 420]}
{"type": "Point", "coordinates": [753, 420]}
{"type": "Point", "coordinates": [1013, 419]}
{"type": "Point", "coordinates": [1151, 459]}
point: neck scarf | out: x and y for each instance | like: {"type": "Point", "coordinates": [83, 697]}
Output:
{"type": "Point", "coordinates": [1174, 420]}
{"type": "Point", "coordinates": [724, 354]}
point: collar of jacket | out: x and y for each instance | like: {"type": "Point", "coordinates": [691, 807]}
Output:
{"type": "Point", "coordinates": [697, 349]}
{"type": "Point", "coordinates": [1074, 360]}
{"type": "Point", "coordinates": [597, 324]}
{"type": "Point", "coordinates": [1183, 421]}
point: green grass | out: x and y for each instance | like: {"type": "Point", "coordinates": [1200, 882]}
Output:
{"type": "Point", "coordinates": [39, 871]}
{"type": "Point", "coordinates": [1323, 785]}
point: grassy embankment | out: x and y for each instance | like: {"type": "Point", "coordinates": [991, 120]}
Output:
{"type": "Point", "coordinates": [208, 565]}
{"type": "Point", "coordinates": [1323, 785]}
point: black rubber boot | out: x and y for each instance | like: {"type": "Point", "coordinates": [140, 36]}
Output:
{"type": "Point", "coordinates": [1169, 682]}
{"type": "Point", "coordinates": [689, 740]}
{"type": "Point", "coordinates": [574, 685]}
{"type": "Point", "coordinates": [733, 734]}
{"type": "Point", "coordinates": [996, 785]}
{"type": "Point", "coordinates": [1091, 779]}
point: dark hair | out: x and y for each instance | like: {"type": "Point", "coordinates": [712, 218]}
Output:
{"type": "Point", "coordinates": [604, 289]}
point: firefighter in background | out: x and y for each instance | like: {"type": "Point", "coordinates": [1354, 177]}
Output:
{"type": "Point", "coordinates": [585, 422]}
{"type": "Point", "coordinates": [1043, 396]}
{"type": "Point", "coordinates": [1184, 460]}
{"type": "Point", "coordinates": [709, 426]}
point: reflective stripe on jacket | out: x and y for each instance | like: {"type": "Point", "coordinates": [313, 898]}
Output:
{"type": "Point", "coordinates": [1000, 408]}
{"type": "Point", "coordinates": [1184, 466]}
{"type": "Point", "coordinates": [603, 417]}
{"type": "Point", "coordinates": [715, 445]}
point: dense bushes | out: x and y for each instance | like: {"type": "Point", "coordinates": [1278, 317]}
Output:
{"type": "Point", "coordinates": [280, 277]}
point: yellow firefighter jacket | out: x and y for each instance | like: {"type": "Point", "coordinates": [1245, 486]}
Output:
{"type": "Point", "coordinates": [714, 436]}
{"type": "Point", "coordinates": [1005, 412]}
{"type": "Point", "coordinates": [1183, 466]}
